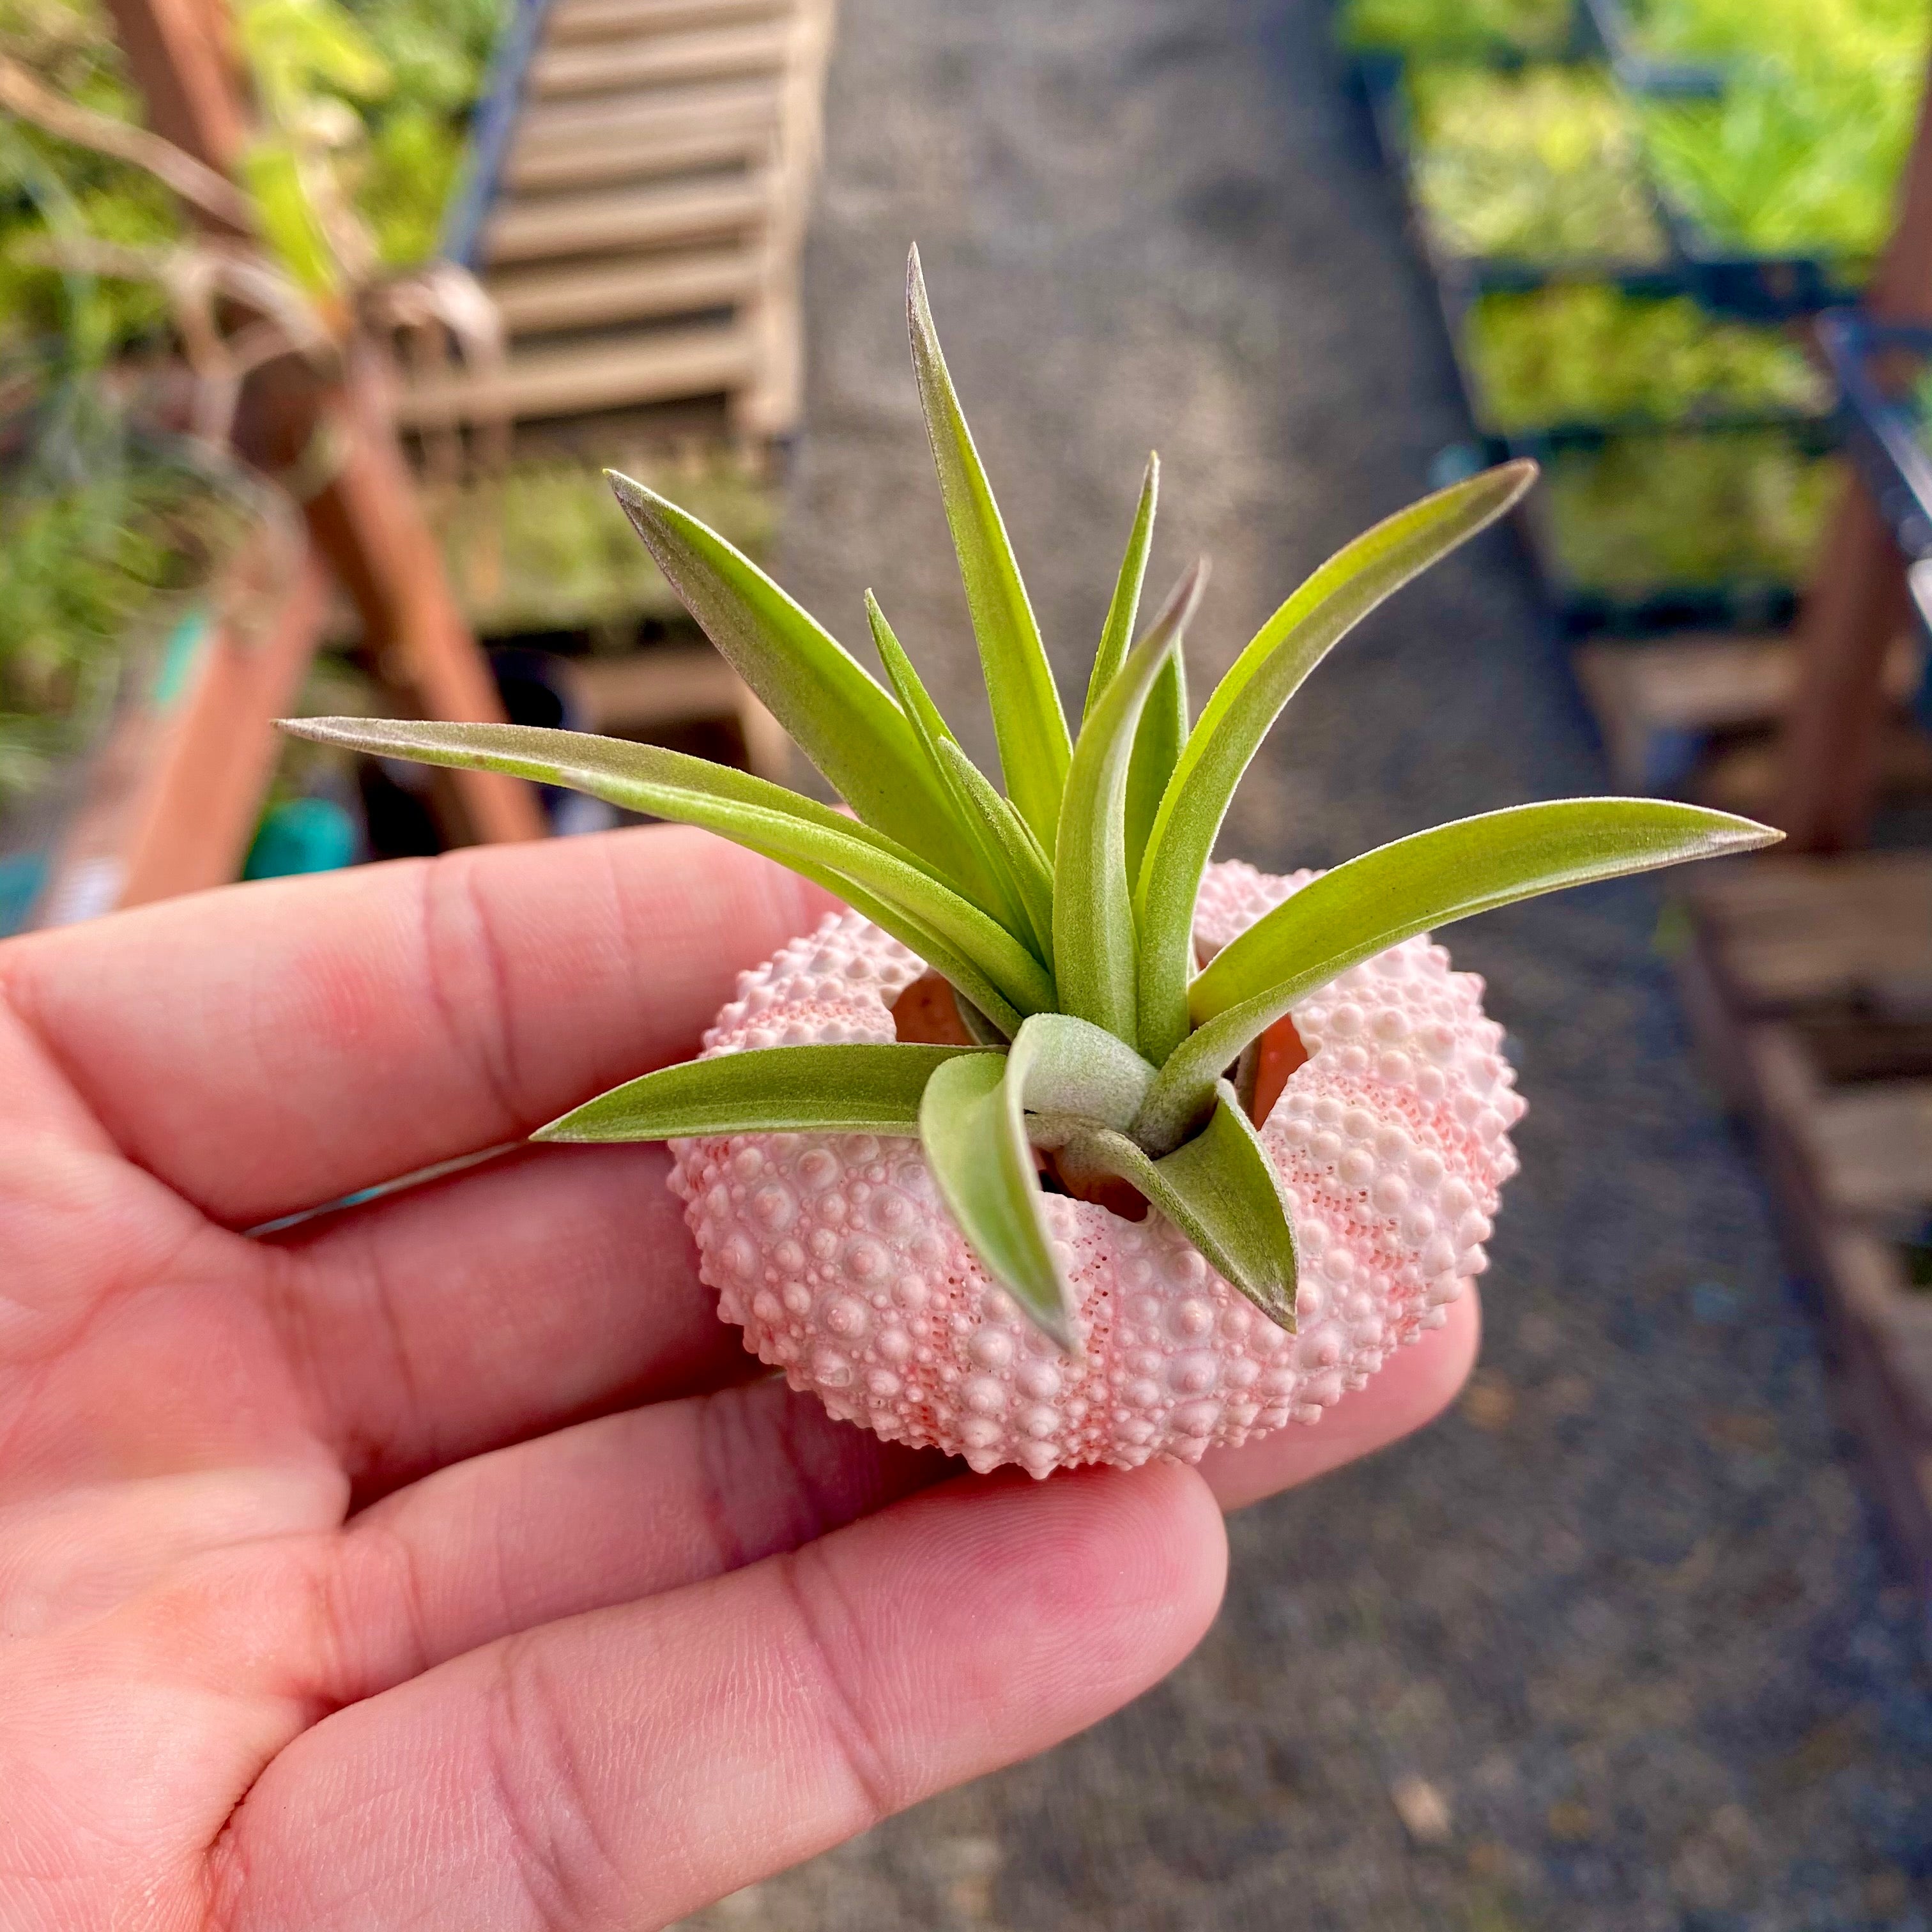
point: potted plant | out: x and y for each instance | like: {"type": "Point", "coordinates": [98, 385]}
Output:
{"type": "Point", "coordinates": [1062, 1145]}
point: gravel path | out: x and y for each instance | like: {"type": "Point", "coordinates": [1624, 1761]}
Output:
{"type": "Point", "coordinates": [1623, 1612]}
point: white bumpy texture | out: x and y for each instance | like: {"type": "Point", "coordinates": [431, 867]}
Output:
{"type": "Point", "coordinates": [833, 1253]}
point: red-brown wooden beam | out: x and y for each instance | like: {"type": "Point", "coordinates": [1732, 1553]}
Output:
{"type": "Point", "coordinates": [366, 520]}
{"type": "Point", "coordinates": [1857, 603]}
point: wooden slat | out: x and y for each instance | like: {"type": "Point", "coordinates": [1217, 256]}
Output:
{"type": "Point", "coordinates": [634, 154]}
{"type": "Point", "coordinates": [571, 22]}
{"type": "Point", "coordinates": [727, 53]}
{"type": "Point", "coordinates": [553, 127]}
{"type": "Point", "coordinates": [619, 373]}
{"type": "Point", "coordinates": [639, 290]}
{"type": "Point", "coordinates": [1797, 932]}
{"type": "Point", "coordinates": [625, 219]}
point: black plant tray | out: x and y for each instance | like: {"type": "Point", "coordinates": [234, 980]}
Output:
{"type": "Point", "coordinates": [1380, 78]}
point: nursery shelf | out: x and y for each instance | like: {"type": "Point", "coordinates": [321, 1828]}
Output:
{"type": "Point", "coordinates": [1809, 984]}
{"type": "Point", "coordinates": [635, 202]}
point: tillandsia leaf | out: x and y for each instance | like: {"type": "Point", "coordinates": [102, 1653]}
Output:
{"type": "Point", "coordinates": [975, 1137]}
{"type": "Point", "coordinates": [992, 876]}
{"type": "Point", "coordinates": [1032, 877]}
{"type": "Point", "coordinates": [864, 1089]}
{"type": "Point", "coordinates": [1427, 880]}
{"type": "Point", "coordinates": [1246, 702]}
{"type": "Point", "coordinates": [841, 718]}
{"type": "Point", "coordinates": [1093, 899]}
{"type": "Point", "coordinates": [1028, 720]}
{"type": "Point", "coordinates": [872, 873]}
{"type": "Point", "coordinates": [1157, 744]}
{"type": "Point", "coordinates": [1220, 1189]}
{"type": "Point", "coordinates": [1067, 1066]}
{"type": "Point", "coordinates": [1118, 633]}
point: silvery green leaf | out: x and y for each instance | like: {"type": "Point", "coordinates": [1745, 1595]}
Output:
{"type": "Point", "coordinates": [1117, 634]}
{"type": "Point", "coordinates": [870, 871]}
{"type": "Point", "coordinates": [859, 1089]}
{"type": "Point", "coordinates": [1069, 1066]}
{"type": "Point", "coordinates": [1093, 906]}
{"type": "Point", "coordinates": [1427, 880]}
{"type": "Point", "coordinates": [1028, 720]}
{"type": "Point", "coordinates": [974, 1134]}
{"type": "Point", "coordinates": [1246, 702]}
{"type": "Point", "coordinates": [1220, 1189]}
{"type": "Point", "coordinates": [836, 712]}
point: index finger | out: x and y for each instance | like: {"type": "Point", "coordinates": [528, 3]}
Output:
{"type": "Point", "coordinates": [265, 1048]}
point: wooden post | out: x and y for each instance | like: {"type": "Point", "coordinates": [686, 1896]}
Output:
{"type": "Point", "coordinates": [1858, 602]}
{"type": "Point", "coordinates": [366, 520]}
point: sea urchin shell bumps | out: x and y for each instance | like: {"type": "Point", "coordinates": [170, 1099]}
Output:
{"type": "Point", "coordinates": [833, 1253]}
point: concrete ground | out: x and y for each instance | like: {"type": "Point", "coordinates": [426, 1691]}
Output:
{"type": "Point", "coordinates": [1624, 1612]}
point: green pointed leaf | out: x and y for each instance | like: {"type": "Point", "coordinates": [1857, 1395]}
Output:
{"type": "Point", "coordinates": [1067, 1066]}
{"type": "Point", "coordinates": [1247, 701]}
{"type": "Point", "coordinates": [834, 710]}
{"type": "Point", "coordinates": [1221, 1190]}
{"type": "Point", "coordinates": [1007, 832]}
{"type": "Point", "coordinates": [1163, 731]}
{"type": "Point", "coordinates": [870, 871]}
{"type": "Point", "coordinates": [861, 1089]}
{"type": "Point", "coordinates": [1028, 720]}
{"type": "Point", "coordinates": [975, 1138]}
{"type": "Point", "coordinates": [1093, 904]}
{"type": "Point", "coordinates": [1117, 634]}
{"type": "Point", "coordinates": [1428, 880]}
{"type": "Point", "coordinates": [992, 879]}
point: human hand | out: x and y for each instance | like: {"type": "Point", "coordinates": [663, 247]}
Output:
{"type": "Point", "coordinates": [444, 1562]}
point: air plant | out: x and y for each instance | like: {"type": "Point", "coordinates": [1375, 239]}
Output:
{"type": "Point", "coordinates": [1063, 1145]}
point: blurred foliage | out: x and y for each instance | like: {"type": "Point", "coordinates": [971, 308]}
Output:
{"type": "Point", "coordinates": [1690, 511]}
{"type": "Point", "coordinates": [1585, 352]}
{"type": "Point", "coordinates": [437, 53]}
{"type": "Point", "coordinates": [1793, 163]}
{"type": "Point", "coordinates": [48, 186]}
{"type": "Point", "coordinates": [547, 545]}
{"type": "Point", "coordinates": [1802, 152]}
{"type": "Point", "coordinates": [1847, 33]}
{"type": "Point", "coordinates": [98, 526]}
{"type": "Point", "coordinates": [1439, 28]}
{"type": "Point", "coordinates": [1542, 165]}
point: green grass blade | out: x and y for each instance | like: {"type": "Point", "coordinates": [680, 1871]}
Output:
{"type": "Point", "coordinates": [1156, 750]}
{"type": "Point", "coordinates": [1092, 900]}
{"type": "Point", "coordinates": [1220, 1189]}
{"type": "Point", "coordinates": [1428, 880]}
{"type": "Point", "coordinates": [1117, 634]}
{"type": "Point", "coordinates": [901, 894]}
{"type": "Point", "coordinates": [1007, 832]}
{"type": "Point", "coordinates": [975, 1138]}
{"type": "Point", "coordinates": [992, 880]}
{"type": "Point", "coordinates": [832, 707]}
{"type": "Point", "coordinates": [1247, 701]}
{"type": "Point", "coordinates": [863, 1089]}
{"type": "Point", "coordinates": [1028, 720]}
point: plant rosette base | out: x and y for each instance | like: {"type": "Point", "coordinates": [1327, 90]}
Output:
{"type": "Point", "coordinates": [834, 1254]}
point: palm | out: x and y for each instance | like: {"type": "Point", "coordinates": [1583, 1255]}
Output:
{"type": "Point", "coordinates": [437, 1563]}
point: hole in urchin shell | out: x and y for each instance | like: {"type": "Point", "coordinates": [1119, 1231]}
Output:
{"type": "Point", "coordinates": [1282, 1052]}
{"type": "Point", "coordinates": [926, 1014]}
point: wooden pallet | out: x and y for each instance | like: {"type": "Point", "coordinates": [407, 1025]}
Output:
{"type": "Point", "coordinates": [1808, 982]}
{"type": "Point", "coordinates": [649, 178]}
{"type": "Point", "coordinates": [1696, 715]}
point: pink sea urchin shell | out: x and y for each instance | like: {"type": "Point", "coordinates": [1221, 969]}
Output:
{"type": "Point", "coordinates": [834, 1254]}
